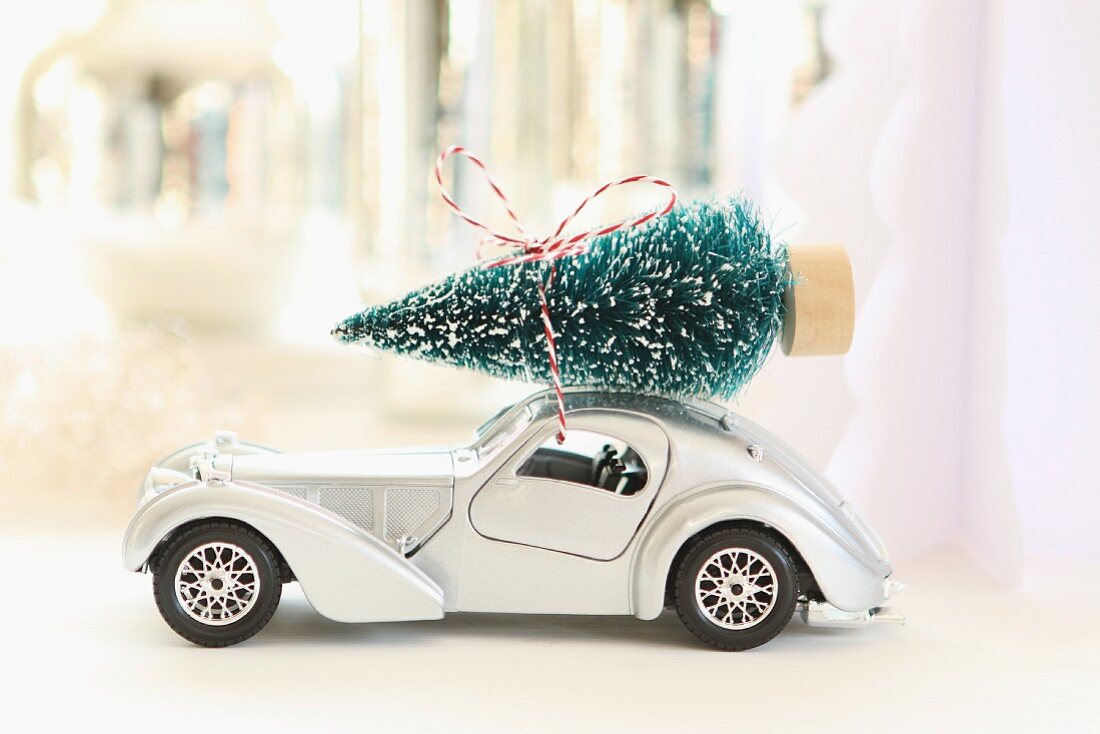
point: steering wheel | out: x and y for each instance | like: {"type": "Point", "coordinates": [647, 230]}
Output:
{"type": "Point", "coordinates": [601, 461]}
{"type": "Point", "coordinates": [615, 472]}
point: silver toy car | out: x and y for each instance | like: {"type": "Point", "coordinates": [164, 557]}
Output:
{"type": "Point", "coordinates": [648, 503]}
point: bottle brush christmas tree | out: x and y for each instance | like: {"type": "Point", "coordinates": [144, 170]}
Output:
{"type": "Point", "coordinates": [688, 304]}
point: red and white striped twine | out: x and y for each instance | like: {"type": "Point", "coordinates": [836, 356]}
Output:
{"type": "Point", "coordinates": [554, 247]}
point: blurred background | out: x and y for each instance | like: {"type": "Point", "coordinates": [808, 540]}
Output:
{"type": "Point", "coordinates": [195, 191]}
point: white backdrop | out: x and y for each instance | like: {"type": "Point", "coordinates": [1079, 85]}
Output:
{"type": "Point", "coordinates": [954, 149]}
{"type": "Point", "coordinates": [1050, 261]}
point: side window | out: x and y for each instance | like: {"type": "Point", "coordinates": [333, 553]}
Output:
{"type": "Point", "coordinates": [589, 458]}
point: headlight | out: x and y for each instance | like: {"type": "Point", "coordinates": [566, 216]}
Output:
{"type": "Point", "coordinates": [145, 491]}
{"type": "Point", "coordinates": [157, 480]}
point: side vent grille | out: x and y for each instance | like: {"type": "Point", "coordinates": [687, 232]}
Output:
{"type": "Point", "coordinates": [407, 509]}
{"type": "Point", "coordinates": [355, 504]}
{"type": "Point", "coordinates": [401, 512]}
{"type": "Point", "coordinates": [299, 492]}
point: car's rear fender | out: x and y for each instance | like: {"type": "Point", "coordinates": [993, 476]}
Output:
{"type": "Point", "coordinates": [347, 575]}
{"type": "Point", "coordinates": [848, 578]}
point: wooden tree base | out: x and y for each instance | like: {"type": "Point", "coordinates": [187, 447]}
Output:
{"type": "Point", "coordinates": [821, 305]}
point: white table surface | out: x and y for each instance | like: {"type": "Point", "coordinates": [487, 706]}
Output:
{"type": "Point", "coordinates": [85, 646]}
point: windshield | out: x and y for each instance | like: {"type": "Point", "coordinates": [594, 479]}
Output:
{"type": "Point", "coordinates": [493, 419]}
{"type": "Point", "coordinates": [498, 430]}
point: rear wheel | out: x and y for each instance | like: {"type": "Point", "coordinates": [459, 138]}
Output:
{"type": "Point", "coordinates": [735, 589]}
{"type": "Point", "coordinates": [217, 583]}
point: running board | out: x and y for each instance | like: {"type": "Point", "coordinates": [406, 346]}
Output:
{"type": "Point", "coordinates": [823, 614]}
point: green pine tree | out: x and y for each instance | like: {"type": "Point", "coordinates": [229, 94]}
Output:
{"type": "Point", "coordinates": [687, 305]}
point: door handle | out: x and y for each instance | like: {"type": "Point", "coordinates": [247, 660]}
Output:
{"type": "Point", "coordinates": [507, 482]}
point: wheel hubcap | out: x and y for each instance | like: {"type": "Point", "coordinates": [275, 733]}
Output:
{"type": "Point", "coordinates": [735, 588]}
{"type": "Point", "coordinates": [217, 583]}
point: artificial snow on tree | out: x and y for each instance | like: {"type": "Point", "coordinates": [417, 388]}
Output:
{"type": "Point", "coordinates": [688, 304]}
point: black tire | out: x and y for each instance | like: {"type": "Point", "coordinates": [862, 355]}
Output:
{"type": "Point", "coordinates": [254, 608]}
{"type": "Point", "coordinates": [772, 619]}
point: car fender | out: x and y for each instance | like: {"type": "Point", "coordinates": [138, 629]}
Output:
{"type": "Point", "coordinates": [346, 574]}
{"type": "Point", "coordinates": [848, 579]}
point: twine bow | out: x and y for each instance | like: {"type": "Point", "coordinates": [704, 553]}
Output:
{"type": "Point", "coordinates": [554, 247]}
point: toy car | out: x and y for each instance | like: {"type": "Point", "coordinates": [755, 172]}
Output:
{"type": "Point", "coordinates": [649, 503]}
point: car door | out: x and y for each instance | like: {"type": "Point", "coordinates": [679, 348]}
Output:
{"type": "Point", "coordinates": [541, 496]}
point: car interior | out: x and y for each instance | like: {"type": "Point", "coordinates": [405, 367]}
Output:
{"type": "Point", "coordinates": [611, 465]}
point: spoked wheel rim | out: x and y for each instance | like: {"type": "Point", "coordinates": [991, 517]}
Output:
{"type": "Point", "coordinates": [217, 583]}
{"type": "Point", "coordinates": [736, 588]}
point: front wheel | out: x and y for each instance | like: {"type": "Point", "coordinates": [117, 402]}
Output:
{"type": "Point", "coordinates": [217, 583]}
{"type": "Point", "coordinates": [735, 589]}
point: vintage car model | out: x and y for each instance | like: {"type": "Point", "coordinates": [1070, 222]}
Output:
{"type": "Point", "coordinates": [649, 503]}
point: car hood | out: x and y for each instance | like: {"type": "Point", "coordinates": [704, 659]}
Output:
{"type": "Point", "coordinates": [431, 466]}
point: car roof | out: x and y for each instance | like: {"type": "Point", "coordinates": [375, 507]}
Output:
{"type": "Point", "coordinates": [668, 410]}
